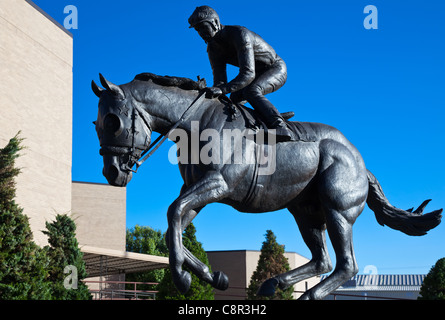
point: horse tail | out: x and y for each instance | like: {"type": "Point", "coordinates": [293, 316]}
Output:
{"type": "Point", "coordinates": [413, 223]}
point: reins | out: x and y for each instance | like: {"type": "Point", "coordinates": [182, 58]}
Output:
{"type": "Point", "coordinates": [161, 139]}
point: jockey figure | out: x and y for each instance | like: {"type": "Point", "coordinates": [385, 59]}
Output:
{"type": "Point", "coordinates": [261, 70]}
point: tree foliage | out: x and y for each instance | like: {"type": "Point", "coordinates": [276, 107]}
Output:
{"type": "Point", "coordinates": [433, 287]}
{"type": "Point", "coordinates": [64, 252]}
{"type": "Point", "coordinates": [28, 272]}
{"type": "Point", "coordinates": [271, 263]}
{"type": "Point", "coordinates": [23, 265]}
{"type": "Point", "coordinates": [142, 239]}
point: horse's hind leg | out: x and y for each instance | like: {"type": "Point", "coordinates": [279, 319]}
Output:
{"type": "Point", "coordinates": [312, 228]}
{"type": "Point", "coordinates": [343, 189]}
{"type": "Point", "coordinates": [340, 233]}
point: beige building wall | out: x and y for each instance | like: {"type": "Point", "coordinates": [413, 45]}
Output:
{"type": "Point", "coordinates": [99, 211]}
{"type": "Point", "coordinates": [240, 265]}
{"type": "Point", "coordinates": [36, 59]}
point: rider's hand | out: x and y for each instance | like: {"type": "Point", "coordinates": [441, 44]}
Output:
{"type": "Point", "coordinates": [213, 92]}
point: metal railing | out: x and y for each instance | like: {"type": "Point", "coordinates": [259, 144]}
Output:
{"type": "Point", "coordinates": [114, 293]}
{"type": "Point", "coordinates": [333, 294]}
{"type": "Point", "coordinates": [365, 297]}
{"type": "Point", "coordinates": [112, 290]}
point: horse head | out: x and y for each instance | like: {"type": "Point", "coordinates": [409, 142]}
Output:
{"type": "Point", "coordinates": [122, 131]}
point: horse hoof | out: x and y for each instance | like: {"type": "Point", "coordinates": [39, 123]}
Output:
{"type": "Point", "coordinates": [268, 287]}
{"type": "Point", "coordinates": [220, 281]}
{"type": "Point", "coordinates": [183, 282]}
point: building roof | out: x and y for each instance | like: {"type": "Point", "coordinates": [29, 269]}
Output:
{"type": "Point", "coordinates": [383, 282]}
{"type": "Point", "coordinates": [102, 262]}
{"type": "Point", "coordinates": [247, 251]}
{"type": "Point", "coordinates": [31, 3]}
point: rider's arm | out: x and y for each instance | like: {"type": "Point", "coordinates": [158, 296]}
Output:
{"type": "Point", "coordinates": [219, 68]}
{"type": "Point", "coordinates": [246, 61]}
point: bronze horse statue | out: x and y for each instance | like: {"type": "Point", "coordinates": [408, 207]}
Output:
{"type": "Point", "coordinates": [321, 178]}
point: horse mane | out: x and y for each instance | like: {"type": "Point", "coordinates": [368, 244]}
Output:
{"type": "Point", "coordinates": [168, 81]}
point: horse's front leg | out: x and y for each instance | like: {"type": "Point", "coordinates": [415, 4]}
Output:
{"type": "Point", "coordinates": [218, 279]}
{"type": "Point", "coordinates": [211, 188]}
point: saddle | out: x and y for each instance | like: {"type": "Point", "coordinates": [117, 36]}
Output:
{"type": "Point", "coordinates": [302, 131]}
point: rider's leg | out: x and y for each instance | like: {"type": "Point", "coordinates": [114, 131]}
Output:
{"type": "Point", "coordinates": [266, 82]}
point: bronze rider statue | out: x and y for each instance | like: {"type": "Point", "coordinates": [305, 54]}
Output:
{"type": "Point", "coordinates": [261, 70]}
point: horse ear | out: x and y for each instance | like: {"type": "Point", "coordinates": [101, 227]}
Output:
{"type": "Point", "coordinates": [112, 87]}
{"type": "Point", "coordinates": [96, 89]}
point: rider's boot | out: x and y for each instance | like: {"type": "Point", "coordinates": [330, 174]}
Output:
{"type": "Point", "coordinates": [273, 119]}
{"type": "Point", "coordinates": [282, 132]}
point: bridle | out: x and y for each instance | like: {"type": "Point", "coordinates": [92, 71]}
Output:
{"type": "Point", "coordinates": [134, 159]}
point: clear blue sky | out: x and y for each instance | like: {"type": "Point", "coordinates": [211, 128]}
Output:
{"type": "Point", "coordinates": [384, 89]}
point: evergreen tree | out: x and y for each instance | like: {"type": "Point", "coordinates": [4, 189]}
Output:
{"type": "Point", "coordinates": [433, 287]}
{"type": "Point", "coordinates": [145, 240]}
{"type": "Point", "coordinates": [199, 290]}
{"type": "Point", "coordinates": [64, 252]}
{"type": "Point", "coordinates": [271, 263]}
{"type": "Point", "coordinates": [23, 264]}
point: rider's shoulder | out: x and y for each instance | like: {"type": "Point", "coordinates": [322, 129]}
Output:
{"type": "Point", "coordinates": [237, 33]}
{"type": "Point", "coordinates": [234, 29]}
